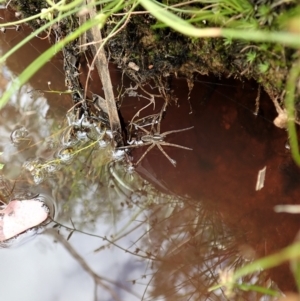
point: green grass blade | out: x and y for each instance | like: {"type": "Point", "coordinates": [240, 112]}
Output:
{"type": "Point", "coordinates": [177, 23]}
{"type": "Point", "coordinates": [289, 104]}
{"type": "Point", "coordinates": [286, 254]}
{"type": "Point", "coordinates": [258, 289]}
{"type": "Point", "coordinates": [289, 253]}
{"type": "Point", "coordinates": [289, 39]}
{"type": "Point", "coordinates": [184, 27]}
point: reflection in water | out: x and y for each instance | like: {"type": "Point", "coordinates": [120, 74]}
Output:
{"type": "Point", "coordinates": [121, 236]}
{"type": "Point", "coordinates": [20, 136]}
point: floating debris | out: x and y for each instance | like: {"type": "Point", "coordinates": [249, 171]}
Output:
{"type": "Point", "coordinates": [294, 209]}
{"type": "Point", "coordinates": [261, 179]}
{"type": "Point", "coordinates": [133, 66]}
{"type": "Point", "coordinates": [20, 216]}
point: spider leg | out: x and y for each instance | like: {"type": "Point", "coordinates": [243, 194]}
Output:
{"type": "Point", "coordinates": [163, 109]}
{"type": "Point", "coordinates": [175, 145]}
{"type": "Point", "coordinates": [152, 101]}
{"type": "Point", "coordinates": [134, 145]}
{"type": "Point", "coordinates": [145, 153]}
{"type": "Point", "coordinates": [175, 131]}
{"type": "Point", "coordinates": [141, 128]}
{"type": "Point", "coordinates": [173, 162]}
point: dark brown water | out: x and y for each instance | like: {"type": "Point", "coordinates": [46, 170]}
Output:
{"type": "Point", "coordinates": [230, 145]}
{"type": "Point", "coordinates": [147, 244]}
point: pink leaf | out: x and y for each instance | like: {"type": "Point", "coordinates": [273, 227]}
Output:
{"type": "Point", "coordinates": [19, 216]}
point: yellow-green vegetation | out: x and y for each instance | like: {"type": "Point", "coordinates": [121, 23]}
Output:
{"type": "Point", "coordinates": [231, 279]}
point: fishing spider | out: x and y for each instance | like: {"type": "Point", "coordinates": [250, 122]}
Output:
{"type": "Point", "coordinates": [155, 138]}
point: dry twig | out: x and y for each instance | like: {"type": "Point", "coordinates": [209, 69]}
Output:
{"type": "Point", "coordinates": [102, 68]}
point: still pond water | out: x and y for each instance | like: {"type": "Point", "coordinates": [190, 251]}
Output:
{"type": "Point", "coordinates": [155, 233]}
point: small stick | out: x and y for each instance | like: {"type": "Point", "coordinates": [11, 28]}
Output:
{"type": "Point", "coordinates": [98, 280]}
{"type": "Point", "coordinates": [102, 68]}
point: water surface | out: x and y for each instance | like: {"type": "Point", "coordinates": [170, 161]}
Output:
{"type": "Point", "coordinates": [160, 232]}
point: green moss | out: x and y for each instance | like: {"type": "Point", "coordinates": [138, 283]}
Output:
{"type": "Point", "coordinates": [266, 63]}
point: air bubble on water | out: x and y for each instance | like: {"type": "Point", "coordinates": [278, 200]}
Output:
{"type": "Point", "coordinates": [29, 165]}
{"type": "Point", "coordinates": [51, 143]}
{"type": "Point", "coordinates": [32, 164]}
{"type": "Point", "coordinates": [118, 154]}
{"type": "Point", "coordinates": [109, 134]}
{"type": "Point", "coordinates": [19, 135]}
{"type": "Point", "coordinates": [85, 123]}
{"type": "Point", "coordinates": [52, 167]}
{"type": "Point", "coordinates": [77, 123]}
{"type": "Point", "coordinates": [93, 134]}
{"type": "Point", "coordinates": [67, 138]}
{"type": "Point", "coordinates": [38, 177]}
{"type": "Point", "coordinates": [102, 143]}
{"type": "Point", "coordinates": [82, 135]}
{"type": "Point", "coordinates": [100, 130]}
{"type": "Point", "coordinates": [135, 197]}
{"type": "Point", "coordinates": [66, 155]}
{"type": "Point", "coordinates": [71, 117]}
